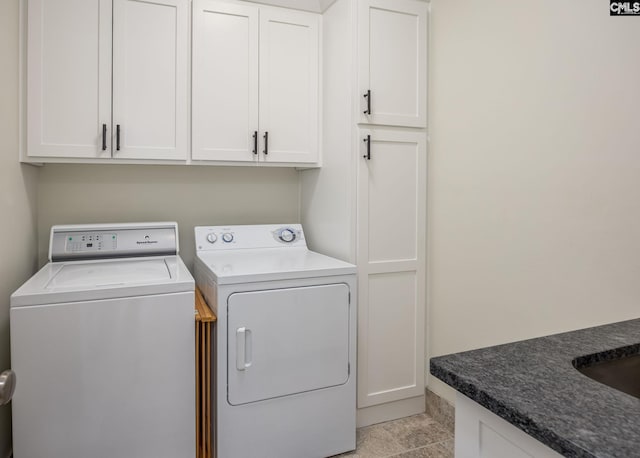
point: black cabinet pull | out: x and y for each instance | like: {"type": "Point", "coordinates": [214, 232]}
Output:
{"type": "Point", "coordinates": [368, 97]}
{"type": "Point", "coordinates": [266, 143]}
{"type": "Point", "coordinates": [104, 137]}
{"type": "Point", "coordinates": [118, 137]}
{"type": "Point", "coordinates": [368, 142]}
{"type": "Point", "coordinates": [255, 142]}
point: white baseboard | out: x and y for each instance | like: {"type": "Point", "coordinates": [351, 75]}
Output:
{"type": "Point", "coordinates": [390, 411]}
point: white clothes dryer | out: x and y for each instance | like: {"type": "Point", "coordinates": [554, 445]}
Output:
{"type": "Point", "coordinates": [286, 342]}
{"type": "Point", "coordinates": [102, 344]}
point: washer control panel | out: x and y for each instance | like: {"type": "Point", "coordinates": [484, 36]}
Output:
{"type": "Point", "coordinates": [212, 238]}
{"type": "Point", "coordinates": [93, 241]}
{"type": "Point", "coordinates": [90, 241]}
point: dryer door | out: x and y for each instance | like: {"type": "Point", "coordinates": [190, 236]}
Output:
{"type": "Point", "coordinates": [287, 341]}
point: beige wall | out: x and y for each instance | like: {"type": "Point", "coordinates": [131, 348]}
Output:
{"type": "Point", "coordinates": [534, 179]}
{"type": "Point", "coordinates": [18, 184]}
{"type": "Point", "coordinates": [73, 194]}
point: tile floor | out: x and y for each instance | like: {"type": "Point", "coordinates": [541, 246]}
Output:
{"type": "Point", "coordinates": [419, 436]}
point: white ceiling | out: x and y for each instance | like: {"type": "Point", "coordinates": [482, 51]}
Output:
{"type": "Point", "coordinates": [315, 6]}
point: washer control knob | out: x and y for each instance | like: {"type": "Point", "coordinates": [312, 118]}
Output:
{"type": "Point", "coordinates": [287, 235]}
{"type": "Point", "coordinates": [212, 238]}
{"type": "Point", "coordinates": [227, 237]}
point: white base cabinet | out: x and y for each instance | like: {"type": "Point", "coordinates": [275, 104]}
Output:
{"type": "Point", "coordinates": [481, 433]}
{"type": "Point", "coordinates": [367, 204]}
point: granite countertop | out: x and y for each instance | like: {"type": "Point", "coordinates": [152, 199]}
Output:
{"type": "Point", "coordinates": [533, 385]}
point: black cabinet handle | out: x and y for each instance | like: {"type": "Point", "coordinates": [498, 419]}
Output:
{"type": "Point", "coordinates": [368, 142]}
{"type": "Point", "coordinates": [104, 137]}
{"type": "Point", "coordinates": [266, 143]}
{"type": "Point", "coordinates": [118, 137]}
{"type": "Point", "coordinates": [368, 97]}
{"type": "Point", "coordinates": [255, 142]}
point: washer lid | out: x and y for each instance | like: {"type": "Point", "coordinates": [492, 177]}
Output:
{"type": "Point", "coordinates": [74, 281]}
{"type": "Point", "coordinates": [116, 273]}
{"type": "Point", "coordinates": [270, 264]}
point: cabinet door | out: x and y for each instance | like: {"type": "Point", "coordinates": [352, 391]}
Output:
{"type": "Point", "coordinates": [150, 50]}
{"type": "Point", "coordinates": [68, 78]}
{"type": "Point", "coordinates": [392, 62]}
{"type": "Point", "coordinates": [225, 81]}
{"type": "Point", "coordinates": [391, 263]}
{"type": "Point", "coordinates": [289, 53]}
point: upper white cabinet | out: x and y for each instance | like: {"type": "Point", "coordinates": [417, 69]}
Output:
{"type": "Point", "coordinates": [107, 79]}
{"type": "Point", "coordinates": [289, 105]}
{"type": "Point", "coordinates": [392, 62]}
{"type": "Point", "coordinates": [225, 81]}
{"type": "Point", "coordinates": [69, 78]}
{"type": "Point", "coordinates": [255, 83]}
{"type": "Point", "coordinates": [150, 76]}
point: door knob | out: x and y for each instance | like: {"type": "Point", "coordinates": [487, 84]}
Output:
{"type": "Point", "coordinates": [7, 386]}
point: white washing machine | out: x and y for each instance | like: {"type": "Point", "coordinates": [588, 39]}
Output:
{"type": "Point", "coordinates": [102, 344]}
{"type": "Point", "coordinates": [285, 343]}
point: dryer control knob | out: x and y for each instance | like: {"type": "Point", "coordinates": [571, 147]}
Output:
{"type": "Point", "coordinates": [212, 238]}
{"type": "Point", "coordinates": [287, 235]}
{"type": "Point", "coordinates": [227, 237]}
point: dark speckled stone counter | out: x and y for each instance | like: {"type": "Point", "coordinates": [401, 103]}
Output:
{"type": "Point", "coordinates": [534, 385]}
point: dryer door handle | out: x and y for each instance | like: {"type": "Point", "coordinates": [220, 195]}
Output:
{"type": "Point", "coordinates": [243, 348]}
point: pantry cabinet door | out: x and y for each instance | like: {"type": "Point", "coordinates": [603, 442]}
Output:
{"type": "Point", "coordinates": [150, 77]}
{"type": "Point", "coordinates": [68, 78]}
{"type": "Point", "coordinates": [289, 91]}
{"type": "Point", "coordinates": [392, 62]}
{"type": "Point", "coordinates": [391, 265]}
{"type": "Point", "coordinates": [225, 81]}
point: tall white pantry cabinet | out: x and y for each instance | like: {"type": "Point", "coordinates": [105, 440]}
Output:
{"type": "Point", "coordinates": [367, 204]}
